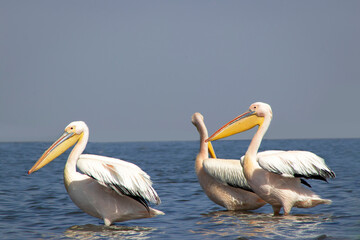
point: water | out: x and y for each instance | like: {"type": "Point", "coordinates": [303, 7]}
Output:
{"type": "Point", "coordinates": [37, 206]}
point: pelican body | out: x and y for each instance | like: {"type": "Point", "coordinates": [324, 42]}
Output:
{"type": "Point", "coordinates": [276, 176]}
{"type": "Point", "coordinates": [222, 179]}
{"type": "Point", "coordinates": [110, 189]}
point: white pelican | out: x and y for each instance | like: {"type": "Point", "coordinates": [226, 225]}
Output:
{"type": "Point", "coordinates": [110, 189]}
{"type": "Point", "coordinates": [222, 179]}
{"type": "Point", "coordinates": [276, 175]}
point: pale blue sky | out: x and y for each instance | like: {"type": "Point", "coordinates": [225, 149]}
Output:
{"type": "Point", "coordinates": [138, 70]}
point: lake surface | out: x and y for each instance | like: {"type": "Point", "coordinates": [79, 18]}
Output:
{"type": "Point", "coordinates": [37, 206]}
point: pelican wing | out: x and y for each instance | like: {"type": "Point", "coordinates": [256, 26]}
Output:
{"type": "Point", "coordinates": [123, 177]}
{"type": "Point", "coordinates": [227, 171]}
{"type": "Point", "coordinates": [295, 164]}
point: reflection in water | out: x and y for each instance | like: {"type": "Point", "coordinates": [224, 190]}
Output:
{"type": "Point", "coordinates": [259, 225]}
{"type": "Point", "coordinates": [108, 232]}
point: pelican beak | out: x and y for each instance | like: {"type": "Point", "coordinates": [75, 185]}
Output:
{"type": "Point", "coordinates": [239, 124]}
{"type": "Point", "coordinates": [211, 150]}
{"type": "Point", "coordinates": [56, 149]}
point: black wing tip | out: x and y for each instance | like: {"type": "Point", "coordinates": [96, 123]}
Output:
{"type": "Point", "coordinates": [134, 195]}
{"type": "Point", "coordinates": [328, 174]}
{"type": "Point", "coordinates": [142, 201]}
{"type": "Point", "coordinates": [305, 183]}
{"type": "Point", "coordinates": [322, 175]}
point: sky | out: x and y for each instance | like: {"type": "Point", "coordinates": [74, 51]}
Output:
{"type": "Point", "coordinates": [138, 70]}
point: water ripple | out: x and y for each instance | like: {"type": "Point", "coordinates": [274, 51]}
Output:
{"type": "Point", "coordinates": [37, 206]}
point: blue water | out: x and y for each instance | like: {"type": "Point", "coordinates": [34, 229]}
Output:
{"type": "Point", "coordinates": [37, 206]}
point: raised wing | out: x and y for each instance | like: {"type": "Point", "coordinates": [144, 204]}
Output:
{"type": "Point", "coordinates": [295, 164]}
{"type": "Point", "coordinates": [123, 177]}
{"type": "Point", "coordinates": [227, 171]}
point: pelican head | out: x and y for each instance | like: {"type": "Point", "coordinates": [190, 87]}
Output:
{"type": "Point", "coordinates": [251, 118]}
{"type": "Point", "coordinates": [73, 132]}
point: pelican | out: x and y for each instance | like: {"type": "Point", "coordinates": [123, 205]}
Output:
{"type": "Point", "coordinates": [110, 189]}
{"type": "Point", "coordinates": [222, 179]}
{"type": "Point", "coordinates": [276, 175]}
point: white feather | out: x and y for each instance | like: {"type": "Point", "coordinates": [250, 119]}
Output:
{"type": "Point", "coordinates": [294, 164]}
{"type": "Point", "coordinates": [227, 171]}
{"type": "Point", "coordinates": [119, 175]}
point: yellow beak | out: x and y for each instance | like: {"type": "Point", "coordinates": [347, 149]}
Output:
{"type": "Point", "coordinates": [239, 124]}
{"type": "Point", "coordinates": [56, 149]}
{"type": "Point", "coordinates": [211, 150]}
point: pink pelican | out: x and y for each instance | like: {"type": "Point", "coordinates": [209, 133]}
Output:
{"type": "Point", "coordinates": [110, 189]}
{"type": "Point", "coordinates": [276, 175]}
{"type": "Point", "coordinates": [222, 179]}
